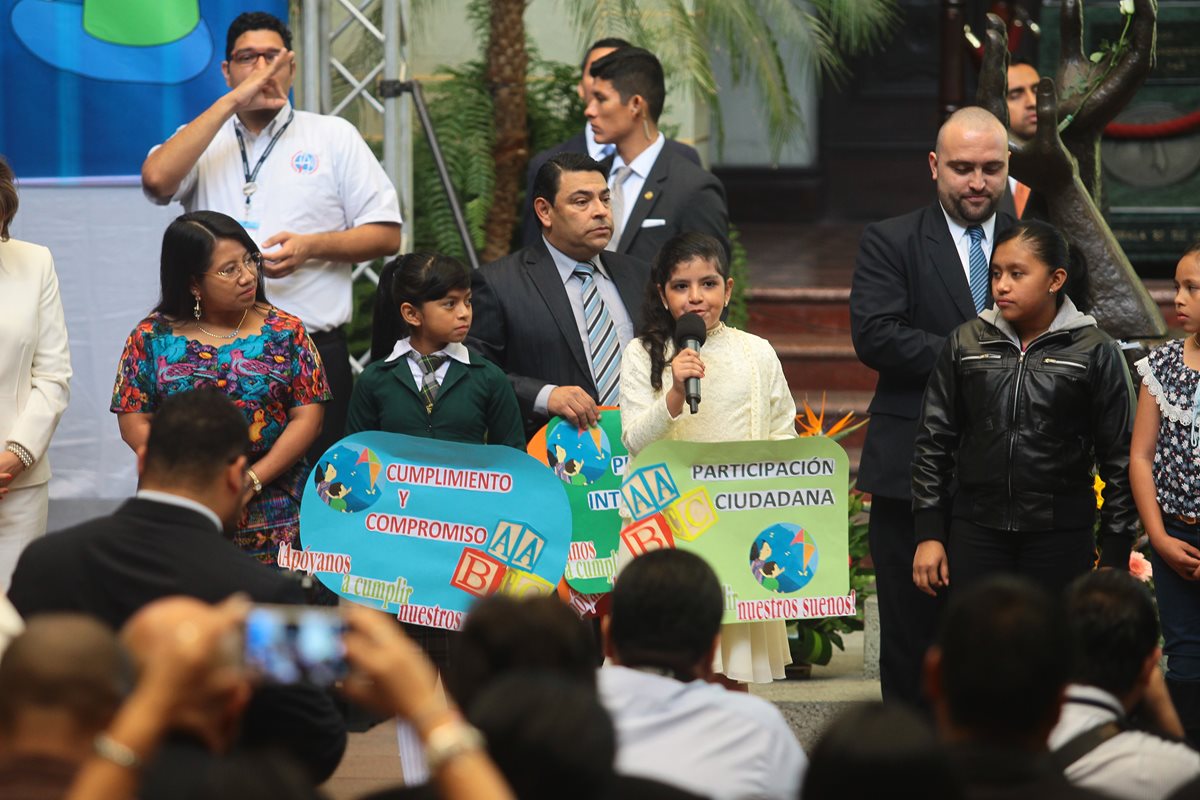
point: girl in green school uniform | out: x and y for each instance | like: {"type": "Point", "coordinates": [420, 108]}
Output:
{"type": "Point", "coordinates": [429, 384]}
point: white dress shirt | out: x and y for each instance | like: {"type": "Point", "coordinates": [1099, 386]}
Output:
{"type": "Point", "coordinates": [182, 502]}
{"type": "Point", "coordinates": [1132, 765]}
{"type": "Point", "coordinates": [640, 167]}
{"type": "Point", "coordinates": [962, 242]}
{"type": "Point", "coordinates": [701, 737]}
{"type": "Point", "coordinates": [453, 350]}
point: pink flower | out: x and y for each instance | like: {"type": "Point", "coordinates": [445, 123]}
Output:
{"type": "Point", "coordinates": [1139, 567]}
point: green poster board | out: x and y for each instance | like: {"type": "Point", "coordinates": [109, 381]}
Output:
{"type": "Point", "coordinates": [590, 464]}
{"type": "Point", "coordinates": [769, 517]}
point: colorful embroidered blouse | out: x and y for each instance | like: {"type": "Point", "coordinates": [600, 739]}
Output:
{"type": "Point", "coordinates": [266, 373]}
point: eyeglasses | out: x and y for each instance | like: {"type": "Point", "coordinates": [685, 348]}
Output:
{"type": "Point", "coordinates": [251, 262]}
{"type": "Point", "coordinates": [247, 57]}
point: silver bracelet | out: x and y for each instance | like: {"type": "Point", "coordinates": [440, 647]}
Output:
{"type": "Point", "coordinates": [20, 451]}
{"type": "Point", "coordinates": [113, 751]}
{"type": "Point", "coordinates": [447, 742]}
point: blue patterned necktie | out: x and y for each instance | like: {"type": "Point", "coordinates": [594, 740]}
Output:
{"type": "Point", "coordinates": [979, 269]}
{"type": "Point", "coordinates": [602, 337]}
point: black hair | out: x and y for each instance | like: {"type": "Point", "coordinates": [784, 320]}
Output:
{"type": "Point", "coordinates": [633, 71]}
{"type": "Point", "coordinates": [413, 278]}
{"type": "Point", "coordinates": [549, 176]}
{"type": "Point", "coordinates": [1052, 248]}
{"type": "Point", "coordinates": [658, 326]}
{"type": "Point", "coordinates": [1113, 629]}
{"type": "Point", "coordinates": [256, 21]}
{"type": "Point", "coordinates": [666, 609]}
{"type": "Point", "coordinates": [193, 436]}
{"type": "Point", "coordinates": [1006, 656]}
{"type": "Point", "coordinates": [872, 749]}
{"type": "Point", "coordinates": [264, 774]}
{"type": "Point", "coordinates": [65, 661]}
{"type": "Point", "coordinates": [546, 733]}
{"type": "Point", "coordinates": [503, 634]}
{"type": "Point", "coordinates": [609, 41]}
{"type": "Point", "coordinates": [9, 201]}
{"type": "Point", "coordinates": [187, 250]}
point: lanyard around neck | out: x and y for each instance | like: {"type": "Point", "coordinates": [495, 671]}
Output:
{"type": "Point", "coordinates": [250, 187]}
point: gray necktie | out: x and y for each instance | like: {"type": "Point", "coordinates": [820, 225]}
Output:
{"type": "Point", "coordinates": [617, 204]}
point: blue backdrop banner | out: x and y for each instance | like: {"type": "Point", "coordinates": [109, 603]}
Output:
{"type": "Point", "coordinates": [91, 85]}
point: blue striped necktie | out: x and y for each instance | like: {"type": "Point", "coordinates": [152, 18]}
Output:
{"type": "Point", "coordinates": [602, 337]}
{"type": "Point", "coordinates": [979, 269]}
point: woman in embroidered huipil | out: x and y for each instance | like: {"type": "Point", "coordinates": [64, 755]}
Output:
{"type": "Point", "coordinates": [1164, 471]}
{"type": "Point", "coordinates": [214, 328]}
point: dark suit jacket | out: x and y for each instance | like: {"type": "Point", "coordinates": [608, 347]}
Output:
{"type": "Point", "coordinates": [684, 198]}
{"type": "Point", "coordinates": [112, 566]}
{"type": "Point", "coordinates": [531, 229]}
{"type": "Point", "coordinates": [523, 322]}
{"type": "Point", "coordinates": [909, 291]}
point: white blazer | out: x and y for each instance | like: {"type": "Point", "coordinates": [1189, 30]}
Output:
{"type": "Point", "coordinates": [35, 363]}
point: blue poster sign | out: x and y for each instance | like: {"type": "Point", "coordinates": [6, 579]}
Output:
{"type": "Point", "coordinates": [421, 527]}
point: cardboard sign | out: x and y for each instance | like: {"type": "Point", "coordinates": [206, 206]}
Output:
{"type": "Point", "coordinates": [589, 464]}
{"type": "Point", "coordinates": [770, 517]}
{"type": "Point", "coordinates": [422, 527]}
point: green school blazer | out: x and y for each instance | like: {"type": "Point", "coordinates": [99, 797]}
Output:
{"type": "Point", "coordinates": [475, 404]}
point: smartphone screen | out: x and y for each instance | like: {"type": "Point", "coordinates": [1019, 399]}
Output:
{"type": "Point", "coordinates": [294, 644]}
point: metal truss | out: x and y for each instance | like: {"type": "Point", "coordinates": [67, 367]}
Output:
{"type": "Point", "coordinates": [370, 37]}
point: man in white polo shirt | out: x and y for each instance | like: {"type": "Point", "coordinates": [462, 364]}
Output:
{"type": "Point", "coordinates": [305, 186]}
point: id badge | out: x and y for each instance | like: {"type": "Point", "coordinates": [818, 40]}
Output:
{"type": "Point", "coordinates": [251, 225]}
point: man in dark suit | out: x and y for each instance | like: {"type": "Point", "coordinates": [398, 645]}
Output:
{"type": "Point", "coordinates": [167, 541]}
{"type": "Point", "coordinates": [916, 278]}
{"type": "Point", "coordinates": [655, 193]}
{"type": "Point", "coordinates": [582, 142]}
{"type": "Point", "coordinates": [534, 309]}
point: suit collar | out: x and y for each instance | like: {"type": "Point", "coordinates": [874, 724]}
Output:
{"type": "Point", "coordinates": [547, 282]}
{"type": "Point", "coordinates": [945, 260]}
{"type": "Point", "coordinates": [168, 514]}
{"type": "Point", "coordinates": [166, 498]}
{"type": "Point", "coordinates": [652, 190]}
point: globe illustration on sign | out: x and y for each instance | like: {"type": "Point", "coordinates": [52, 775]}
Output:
{"type": "Point", "coordinates": [783, 558]}
{"type": "Point", "coordinates": [347, 478]}
{"type": "Point", "coordinates": [578, 457]}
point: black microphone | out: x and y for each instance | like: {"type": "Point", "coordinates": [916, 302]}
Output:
{"type": "Point", "coordinates": [691, 333]}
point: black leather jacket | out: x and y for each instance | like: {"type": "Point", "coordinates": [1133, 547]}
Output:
{"type": "Point", "coordinates": [1008, 439]}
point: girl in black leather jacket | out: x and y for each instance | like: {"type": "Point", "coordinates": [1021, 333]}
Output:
{"type": "Point", "coordinates": [1023, 404]}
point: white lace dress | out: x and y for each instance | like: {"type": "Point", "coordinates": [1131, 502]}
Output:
{"type": "Point", "coordinates": [746, 397]}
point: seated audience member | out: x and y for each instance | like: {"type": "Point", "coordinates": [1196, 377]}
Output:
{"type": "Point", "coordinates": [167, 541]}
{"type": "Point", "coordinates": [672, 725]}
{"type": "Point", "coordinates": [502, 635]}
{"type": "Point", "coordinates": [388, 672]}
{"type": "Point", "coordinates": [873, 750]}
{"type": "Point", "coordinates": [61, 681]}
{"type": "Point", "coordinates": [995, 678]}
{"type": "Point", "coordinates": [202, 725]}
{"type": "Point", "coordinates": [1115, 633]}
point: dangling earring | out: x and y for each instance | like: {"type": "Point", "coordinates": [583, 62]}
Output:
{"type": "Point", "coordinates": [646, 128]}
{"type": "Point", "coordinates": [196, 308]}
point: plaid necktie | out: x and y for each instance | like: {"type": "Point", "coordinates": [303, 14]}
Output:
{"type": "Point", "coordinates": [979, 269]}
{"type": "Point", "coordinates": [602, 337]}
{"type": "Point", "coordinates": [429, 382]}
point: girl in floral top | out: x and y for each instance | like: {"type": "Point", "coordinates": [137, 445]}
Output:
{"type": "Point", "coordinates": [1164, 470]}
{"type": "Point", "coordinates": [214, 328]}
